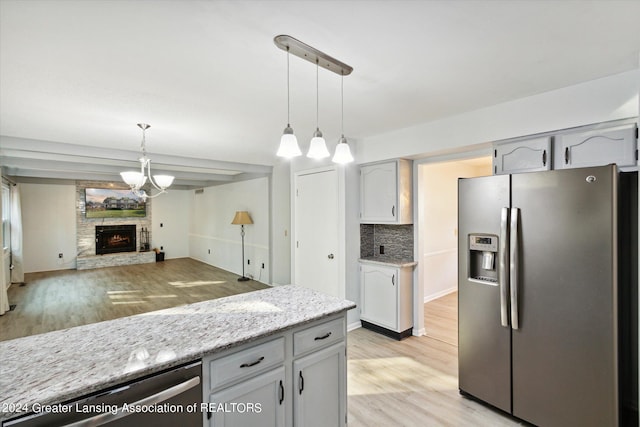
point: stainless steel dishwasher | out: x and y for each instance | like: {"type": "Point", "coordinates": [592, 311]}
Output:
{"type": "Point", "coordinates": [167, 399]}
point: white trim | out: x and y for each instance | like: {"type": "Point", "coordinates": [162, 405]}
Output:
{"type": "Point", "coordinates": [442, 252]}
{"type": "Point", "coordinates": [419, 332]}
{"type": "Point", "coordinates": [235, 242]}
{"type": "Point", "coordinates": [353, 326]}
{"type": "Point", "coordinates": [440, 294]}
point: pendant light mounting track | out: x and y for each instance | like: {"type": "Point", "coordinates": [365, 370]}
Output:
{"type": "Point", "coordinates": [311, 54]}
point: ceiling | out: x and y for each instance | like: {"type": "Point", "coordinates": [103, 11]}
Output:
{"type": "Point", "coordinates": [76, 76]}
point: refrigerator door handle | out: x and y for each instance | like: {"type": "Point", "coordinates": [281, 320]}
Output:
{"type": "Point", "coordinates": [514, 267]}
{"type": "Point", "coordinates": [503, 263]}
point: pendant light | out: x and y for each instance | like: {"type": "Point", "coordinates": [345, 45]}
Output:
{"type": "Point", "coordinates": [318, 147]}
{"type": "Point", "coordinates": [343, 153]}
{"type": "Point", "coordinates": [288, 143]}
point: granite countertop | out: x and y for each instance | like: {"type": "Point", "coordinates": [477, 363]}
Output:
{"type": "Point", "coordinates": [63, 365]}
{"type": "Point", "coordinates": [387, 260]}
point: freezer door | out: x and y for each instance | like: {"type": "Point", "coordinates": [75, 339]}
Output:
{"type": "Point", "coordinates": [565, 347]}
{"type": "Point", "coordinates": [483, 342]}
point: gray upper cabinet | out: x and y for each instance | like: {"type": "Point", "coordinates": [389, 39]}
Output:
{"type": "Point", "coordinates": [530, 155]}
{"type": "Point", "coordinates": [597, 147]}
{"type": "Point", "coordinates": [385, 193]}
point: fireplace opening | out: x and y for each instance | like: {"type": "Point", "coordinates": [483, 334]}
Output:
{"type": "Point", "coordinates": [115, 238]}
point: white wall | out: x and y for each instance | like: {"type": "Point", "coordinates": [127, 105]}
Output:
{"type": "Point", "coordinates": [438, 215]}
{"type": "Point", "coordinates": [49, 226]}
{"type": "Point", "coordinates": [215, 241]}
{"type": "Point", "coordinates": [609, 98]}
{"type": "Point", "coordinates": [170, 223]}
{"type": "Point", "coordinates": [281, 224]}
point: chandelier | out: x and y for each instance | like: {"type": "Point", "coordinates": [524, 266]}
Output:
{"type": "Point", "coordinates": [137, 180]}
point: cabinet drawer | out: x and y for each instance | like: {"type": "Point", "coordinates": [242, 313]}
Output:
{"type": "Point", "coordinates": [318, 336]}
{"type": "Point", "coordinates": [246, 362]}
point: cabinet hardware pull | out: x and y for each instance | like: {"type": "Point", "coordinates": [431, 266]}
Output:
{"type": "Point", "coordinates": [544, 158]}
{"type": "Point", "coordinates": [393, 211]}
{"type": "Point", "coordinates": [325, 336]}
{"type": "Point", "coordinates": [393, 280]}
{"type": "Point", "coordinates": [281, 392]}
{"type": "Point", "coordinates": [248, 365]}
{"type": "Point", "coordinates": [566, 155]}
{"type": "Point", "coordinates": [300, 383]}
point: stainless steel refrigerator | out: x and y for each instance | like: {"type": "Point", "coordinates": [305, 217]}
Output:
{"type": "Point", "coordinates": [539, 294]}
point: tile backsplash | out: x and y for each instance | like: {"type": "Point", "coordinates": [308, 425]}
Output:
{"type": "Point", "coordinates": [396, 239]}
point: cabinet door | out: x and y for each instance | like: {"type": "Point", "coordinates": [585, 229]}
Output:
{"type": "Point", "coordinates": [320, 386]}
{"type": "Point", "coordinates": [597, 148]}
{"type": "Point", "coordinates": [379, 192]}
{"type": "Point", "coordinates": [379, 294]}
{"type": "Point", "coordinates": [257, 402]}
{"type": "Point", "coordinates": [530, 155]}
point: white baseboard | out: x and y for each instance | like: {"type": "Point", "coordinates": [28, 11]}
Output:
{"type": "Point", "coordinates": [437, 295]}
{"type": "Point", "coordinates": [354, 325]}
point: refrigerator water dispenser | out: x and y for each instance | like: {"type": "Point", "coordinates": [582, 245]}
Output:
{"type": "Point", "coordinates": [483, 251]}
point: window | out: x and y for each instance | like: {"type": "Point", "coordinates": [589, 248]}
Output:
{"type": "Point", "coordinates": [6, 216]}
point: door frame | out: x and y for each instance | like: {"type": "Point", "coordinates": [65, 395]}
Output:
{"type": "Point", "coordinates": [419, 273]}
{"type": "Point", "coordinates": [340, 205]}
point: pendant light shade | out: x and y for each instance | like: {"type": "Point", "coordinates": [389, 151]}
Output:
{"type": "Point", "coordinates": [288, 142]}
{"type": "Point", "coordinates": [318, 147]}
{"type": "Point", "coordinates": [343, 152]}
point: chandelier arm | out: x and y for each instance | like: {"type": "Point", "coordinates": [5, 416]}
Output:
{"type": "Point", "coordinates": [161, 190]}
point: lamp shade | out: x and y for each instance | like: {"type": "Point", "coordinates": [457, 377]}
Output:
{"type": "Point", "coordinates": [288, 145]}
{"type": "Point", "coordinates": [343, 153]}
{"type": "Point", "coordinates": [163, 181]}
{"type": "Point", "coordinates": [318, 148]}
{"type": "Point", "coordinates": [241, 218]}
{"type": "Point", "coordinates": [134, 179]}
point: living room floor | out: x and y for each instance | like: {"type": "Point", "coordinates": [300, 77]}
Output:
{"type": "Point", "coordinates": [62, 299]}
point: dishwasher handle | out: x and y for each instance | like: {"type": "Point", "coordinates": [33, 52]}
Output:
{"type": "Point", "coordinates": [161, 396]}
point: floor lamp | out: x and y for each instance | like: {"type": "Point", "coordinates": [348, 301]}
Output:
{"type": "Point", "coordinates": [242, 218]}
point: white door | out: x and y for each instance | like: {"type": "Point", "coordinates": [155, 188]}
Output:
{"type": "Point", "coordinates": [316, 243]}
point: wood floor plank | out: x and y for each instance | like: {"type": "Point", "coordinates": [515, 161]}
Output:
{"type": "Point", "coordinates": [62, 299]}
{"type": "Point", "coordinates": [414, 382]}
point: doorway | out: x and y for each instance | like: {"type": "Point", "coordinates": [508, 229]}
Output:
{"type": "Point", "coordinates": [438, 240]}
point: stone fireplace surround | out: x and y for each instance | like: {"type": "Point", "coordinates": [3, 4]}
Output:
{"type": "Point", "coordinates": [86, 232]}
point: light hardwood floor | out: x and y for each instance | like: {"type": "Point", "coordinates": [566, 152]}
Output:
{"type": "Point", "coordinates": [57, 300]}
{"type": "Point", "coordinates": [414, 382]}
{"type": "Point", "coordinates": [409, 383]}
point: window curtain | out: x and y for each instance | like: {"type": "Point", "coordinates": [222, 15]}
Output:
{"type": "Point", "coordinates": [17, 270]}
{"type": "Point", "coordinates": [4, 300]}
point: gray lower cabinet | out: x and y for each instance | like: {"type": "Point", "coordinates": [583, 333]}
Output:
{"type": "Point", "coordinates": [597, 147]}
{"type": "Point", "coordinates": [295, 378]}
{"type": "Point", "coordinates": [320, 396]}
{"type": "Point", "coordinates": [386, 298]}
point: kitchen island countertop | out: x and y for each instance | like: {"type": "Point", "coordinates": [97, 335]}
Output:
{"type": "Point", "coordinates": [62, 365]}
